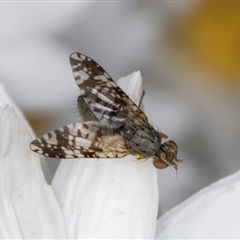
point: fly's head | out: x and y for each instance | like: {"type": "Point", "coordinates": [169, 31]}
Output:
{"type": "Point", "coordinates": [167, 156]}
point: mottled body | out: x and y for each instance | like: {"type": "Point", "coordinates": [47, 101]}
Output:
{"type": "Point", "coordinates": [111, 125]}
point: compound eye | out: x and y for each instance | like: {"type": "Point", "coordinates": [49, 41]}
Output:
{"type": "Point", "coordinates": [159, 163]}
{"type": "Point", "coordinates": [173, 145]}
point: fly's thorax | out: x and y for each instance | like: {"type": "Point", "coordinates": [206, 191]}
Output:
{"type": "Point", "coordinates": [141, 140]}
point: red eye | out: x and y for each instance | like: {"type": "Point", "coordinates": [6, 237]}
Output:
{"type": "Point", "coordinates": [160, 164]}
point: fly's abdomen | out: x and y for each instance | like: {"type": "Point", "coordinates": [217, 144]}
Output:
{"type": "Point", "coordinates": [84, 111]}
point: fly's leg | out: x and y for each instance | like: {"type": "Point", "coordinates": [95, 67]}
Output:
{"type": "Point", "coordinates": [162, 135]}
{"type": "Point", "coordinates": [140, 103]}
{"type": "Point", "coordinates": [141, 99]}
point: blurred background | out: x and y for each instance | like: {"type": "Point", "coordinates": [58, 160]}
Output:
{"type": "Point", "coordinates": [189, 57]}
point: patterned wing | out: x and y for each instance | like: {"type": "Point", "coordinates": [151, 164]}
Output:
{"type": "Point", "coordinates": [105, 99]}
{"type": "Point", "coordinates": [79, 140]}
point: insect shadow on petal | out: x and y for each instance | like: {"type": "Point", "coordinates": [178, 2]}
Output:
{"type": "Point", "coordinates": [111, 124]}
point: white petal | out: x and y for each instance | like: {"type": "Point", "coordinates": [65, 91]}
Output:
{"type": "Point", "coordinates": [132, 86]}
{"type": "Point", "coordinates": [27, 205]}
{"type": "Point", "coordinates": [108, 198]}
{"type": "Point", "coordinates": [212, 213]}
{"type": "Point", "coordinates": [5, 100]}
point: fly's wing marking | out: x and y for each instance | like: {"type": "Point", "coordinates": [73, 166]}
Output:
{"type": "Point", "coordinates": [79, 140]}
{"type": "Point", "coordinates": [108, 109]}
{"type": "Point", "coordinates": [105, 99]}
